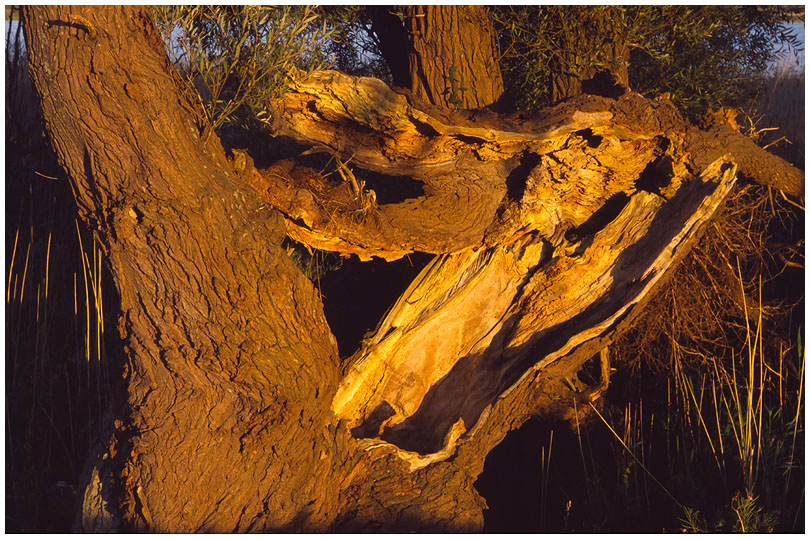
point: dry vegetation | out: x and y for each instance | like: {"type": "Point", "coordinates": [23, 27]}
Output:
{"type": "Point", "coordinates": [701, 429]}
{"type": "Point", "coordinates": [781, 105]}
{"type": "Point", "coordinates": [723, 341]}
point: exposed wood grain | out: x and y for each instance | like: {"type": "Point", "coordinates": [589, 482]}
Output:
{"type": "Point", "coordinates": [599, 198]}
{"type": "Point", "coordinates": [551, 233]}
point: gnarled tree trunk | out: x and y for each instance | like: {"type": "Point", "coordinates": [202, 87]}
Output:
{"type": "Point", "coordinates": [550, 235]}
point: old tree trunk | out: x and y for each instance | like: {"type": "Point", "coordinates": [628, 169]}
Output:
{"type": "Point", "coordinates": [452, 56]}
{"type": "Point", "coordinates": [239, 414]}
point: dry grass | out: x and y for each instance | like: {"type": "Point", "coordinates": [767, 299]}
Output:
{"type": "Point", "coordinates": [725, 446]}
{"type": "Point", "coordinates": [723, 341]}
{"type": "Point", "coordinates": [57, 379]}
{"type": "Point", "coordinates": [757, 243]}
{"type": "Point", "coordinates": [704, 310]}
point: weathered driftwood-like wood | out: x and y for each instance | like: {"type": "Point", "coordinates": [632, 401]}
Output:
{"type": "Point", "coordinates": [465, 162]}
{"type": "Point", "coordinates": [595, 199]}
{"type": "Point", "coordinates": [238, 415]}
{"type": "Point", "coordinates": [512, 312]}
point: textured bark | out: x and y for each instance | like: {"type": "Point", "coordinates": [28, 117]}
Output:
{"type": "Point", "coordinates": [239, 414]}
{"type": "Point", "coordinates": [452, 58]}
{"type": "Point", "coordinates": [230, 364]}
{"type": "Point", "coordinates": [755, 163]}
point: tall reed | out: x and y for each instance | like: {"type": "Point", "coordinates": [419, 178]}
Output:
{"type": "Point", "coordinates": [57, 373]}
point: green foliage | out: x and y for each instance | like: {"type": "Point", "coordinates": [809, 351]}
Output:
{"type": "Point", "coordinates": [313, 263]}
{"type": "Point", "coordinates": [742, 515]}
{"type": "Point", "coordinates": [706, 57]}
{"type": "Point", "coordinates": [453, 87]}
{"type": "Point", "coordinates": [709, 56]}
{"type": "Point", "coordinates": [542, 44]}
{"type": "Point", "coordinates": [233, 59]}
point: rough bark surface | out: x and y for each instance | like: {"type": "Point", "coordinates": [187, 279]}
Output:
{"type": "Point", "coordinates": [469, 76]}
{"type": "Point", "coordinates": [759, 165]}
{"type": "Point", "coordinates": [550, 235]}
{"type": "Point", "coordinates": [230, 364]}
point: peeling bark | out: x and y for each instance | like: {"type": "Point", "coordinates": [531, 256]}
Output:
{"type": "Point", "coordinates": [550, 233]}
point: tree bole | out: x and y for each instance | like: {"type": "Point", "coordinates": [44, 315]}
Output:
{"type": "Point", "coordinates": [550, 235]}
{"type": "Point", "coordinates": [468, 77]}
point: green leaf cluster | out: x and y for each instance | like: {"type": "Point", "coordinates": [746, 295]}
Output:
{"type": "Point", "coordinates": [231, 60]}
{"type": "Point", "coordinates": [704, 56]}
{"type": "Point", "coordinates": [544, 46]}
{"type": "Point", "coordinates": [353, 47]}
{"type": "Point", "coordinates": [742, 515]}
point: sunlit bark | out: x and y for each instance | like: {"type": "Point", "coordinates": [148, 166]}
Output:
{"type": "Point", "coordinates": [550, 235]}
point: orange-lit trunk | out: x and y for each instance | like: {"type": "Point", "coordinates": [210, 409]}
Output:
{"type": "Point", "coordinates": [551, 234]}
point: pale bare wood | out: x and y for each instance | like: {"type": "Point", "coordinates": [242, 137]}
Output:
{"type": "Point", "coordinates": [238, 414]}
{"type": "Point", "coordinates": [600, 214]}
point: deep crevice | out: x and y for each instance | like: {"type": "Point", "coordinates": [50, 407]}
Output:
{"type": "Point", "coordinates": [469, 140]}
{"type": "Point", "coordinates": [600, 218]}
{"type": "Point", "coordinates": [656, 175]}
{"type": "Point", "coordinates": [605, 83]}
{"type": "Point", "coordinates": [593, 140]}
{"type": "Point", "coordinates": [590, 373]}
{"type": "Point", "coordinates": [516, 180]}
{"type": "Point", "coordinates": [391, 189]}
{"type": "Point", "coordinates": [357, 296]}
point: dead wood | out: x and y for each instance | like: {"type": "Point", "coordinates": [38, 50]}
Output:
{"type": "Point", "coordinates": [757, 164]}
{"type": "Point", "coordinates": [550, 233]}
{"type": "Point", "coordinates": [589, 205]}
